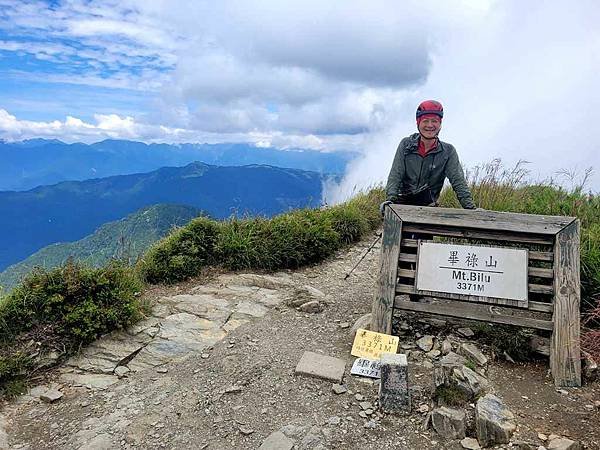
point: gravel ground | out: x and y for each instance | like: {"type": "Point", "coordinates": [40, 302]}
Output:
{"type": "Point", "coordinates": [245, 388]}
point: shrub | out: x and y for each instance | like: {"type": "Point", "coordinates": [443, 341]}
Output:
{"type": "Point", "coordinates": [181, 254]}
{"type": "Point", "coordinates": [63, 308]}
{"type": "Point", "coordinates": [450, 395]}
{"type": "Point", "coordinates": [78, 303]}
{"type": "Point", "coordinates": [504, 338]}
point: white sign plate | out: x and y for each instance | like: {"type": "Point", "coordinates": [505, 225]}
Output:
{"type": "Point", "coordinates": [366, 368]}
{"type": "Point", "coordinates": [473, 270]}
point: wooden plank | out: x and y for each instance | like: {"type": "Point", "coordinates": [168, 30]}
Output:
{"type": "Point", "coordinates": [406, 273]}
{"type": "Point", "coordinates": [484, 220]}
{"type": "Point", "coordinates": [565, 357]}
{"type": "Point", "coordinates": [541, 289]}
{"type": "Point", "coordinates": [383, 303]}
{"type": "Point", "coordinates": [471, 233]}
{"type": "Point", "coordinates": [407, 257]}
{"type": "Point", "coordinates": [411, 243]}
{"type": "Point", "coordinates": [532, 306]}
{"type": "Point", "coordinates": [541, 256]}
{"type": "Point", "coordinates": [540, 272]}
{"type": "Point", "coordinates": [466, 311]}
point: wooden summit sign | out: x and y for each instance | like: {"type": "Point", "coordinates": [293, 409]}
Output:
{"type": "Point", "coordinates": [463, 261]}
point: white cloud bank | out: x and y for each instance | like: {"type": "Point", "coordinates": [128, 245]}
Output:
{"type": "Point", "coordinates": [518, 80]}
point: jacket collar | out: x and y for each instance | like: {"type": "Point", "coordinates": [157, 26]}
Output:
{"type": "Point", "coordinates": [412, 145]}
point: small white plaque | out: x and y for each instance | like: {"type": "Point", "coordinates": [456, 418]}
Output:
{"type": "Point", "coordinates": [366, 368]}
{"type": "Point", "coordinates": [473, 270]}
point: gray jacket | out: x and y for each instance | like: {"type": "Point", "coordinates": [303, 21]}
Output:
{"type": "Point", "coordinates": [411, 173]}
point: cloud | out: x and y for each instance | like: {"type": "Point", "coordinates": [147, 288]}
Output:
{"type": "Point", "coordinates": [516, 81]}
{"type": "Point", "coordinates": [515, 86]}
{"type": "Point", "coordinates": [113, 126]}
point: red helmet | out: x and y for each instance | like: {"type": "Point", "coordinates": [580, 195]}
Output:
{"type": "Point", "coordinates": [430, 107]}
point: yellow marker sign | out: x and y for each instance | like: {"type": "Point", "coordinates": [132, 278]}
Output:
{"type": "Point", "coordinates": [370, 345]}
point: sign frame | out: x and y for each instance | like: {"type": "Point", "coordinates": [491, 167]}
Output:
{"type": "Point", "coordinates": [553, 274]}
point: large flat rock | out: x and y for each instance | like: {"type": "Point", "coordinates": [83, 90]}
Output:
{"type": "Point", "coordinates": [321, 366]}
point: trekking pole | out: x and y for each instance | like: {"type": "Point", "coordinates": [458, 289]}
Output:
{"type": "Point", "coordinates": [363, 256]}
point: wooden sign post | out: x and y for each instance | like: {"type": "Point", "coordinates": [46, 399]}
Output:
{"type": "Point", "coordinates": [527, 265]}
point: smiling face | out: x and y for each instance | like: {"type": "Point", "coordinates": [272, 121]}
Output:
{"type": "Point", "coordinates": [429, 126]}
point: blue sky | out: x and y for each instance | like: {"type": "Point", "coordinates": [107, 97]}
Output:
{"type": "Point", "coordinates": [518, 81]}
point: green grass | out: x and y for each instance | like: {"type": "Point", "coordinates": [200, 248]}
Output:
{"type": "Point", "coordinates": [450, 395]}
{"type": "Point", "coordinates": [286, 241]}
{"type": "Point", "coordinates": [497, 188]}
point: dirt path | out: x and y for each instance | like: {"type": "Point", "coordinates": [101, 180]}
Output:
{"type": "Point", "coordinates": [242, 389]}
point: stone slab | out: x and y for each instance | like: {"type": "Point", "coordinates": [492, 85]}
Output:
{"type": "Point", "coordinates": [394, 395]}
{"type": "Point", "coordinates": [321, 366]}
{"type": "Point", "coordinates": [277, 441]}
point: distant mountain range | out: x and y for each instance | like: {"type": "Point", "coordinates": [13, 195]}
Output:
{"type": "Point", "coordinates": [125, 239]}
{"type": "Point", "coordinates": [70, 210]}
{"type": "Point", "coordinates": [36, 162]}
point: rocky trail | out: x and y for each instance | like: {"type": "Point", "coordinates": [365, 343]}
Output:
{"type": "Point", "coordinates": [214, 368]}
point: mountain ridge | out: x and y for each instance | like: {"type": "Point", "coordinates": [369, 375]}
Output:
{"type": "Point", "coordinates": [70, 210]}
{"type": "Point", "coordinates": [125, 238]}
{"type": "Point", "coordinates": [37, 162]}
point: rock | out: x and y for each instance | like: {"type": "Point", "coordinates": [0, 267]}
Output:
{"type": "Point", "coordinates": [446, 347]}
{"type": "Point", "coordinates": [310, 307]}
{"type": "Point", "coordinates": [563, 444]}
{"type": "Point", "coordinates": [162, 370]}
{"type": "Point", "coordinates": [524, 445]}
{"type": "Point", "coordinates": [470, 381]}
{"type": "Point", "coordinates": [449, 423]}
{"type": "Point", "coordinates": [394, 394]}
{"type": "Point", "coordinates": [251, 309]}
{"type": "Point", "coordinates": [335, 420]}
{"type": "Point", "coordinates": [292, 430]}
{"type": "Point", "coordinates": [365, 405]}
{"type": "Point", "coordinates": [363, 322]}
{"type": "Point", "coordinates": [370, 424]}
{"type": "Point", "coordinates": [245, 430]}
{"type": "Point", "coordinates": [590, 367]}
{"type": "Point", "coordinates": [540, 344]}
{"type": "Point", "coordinates": [3, 435]}
{"type": "Point", "coordinates": [494, 422]}
{"type": "Point", "coordinates": [339, 388]}
{"type": "Point", "coordinates": [433, 354]}
{"type": "Point", "coordinates": [89, 380]}
{"type": "Point", "coordinates": [305, 294]}
{"type": "Point", "coordinates": [428, 364]}
{"type": "Point", "coordinates": [542, 437]}
{"type": "Point", "coordinates": [103, 355]}
{"type": "Point", "coordinates": [321, 366]}
{"type": "Point", "coordinates": [51, 396]}
{"type": "Point", "coordinates": [470, 443]}
{"type": "Point", "coordinates": [423, 408]}
{"type": "Point", "coordinates": [465, 332]}
{"type": "Point", "coordinates": [359, 397]}
{"type": "Point", "coordinates": [121, 371]}
{"type": "Point", "coordinates": [472, 352]}
{"type": "Point", "coordinates": [344, 325]}
{"type": "Point", "coordinates": [425, 343]}
{"type": "Point", "coordinates": [449, 371]}
{"type": "Point", "coordinates": [100, 442]}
